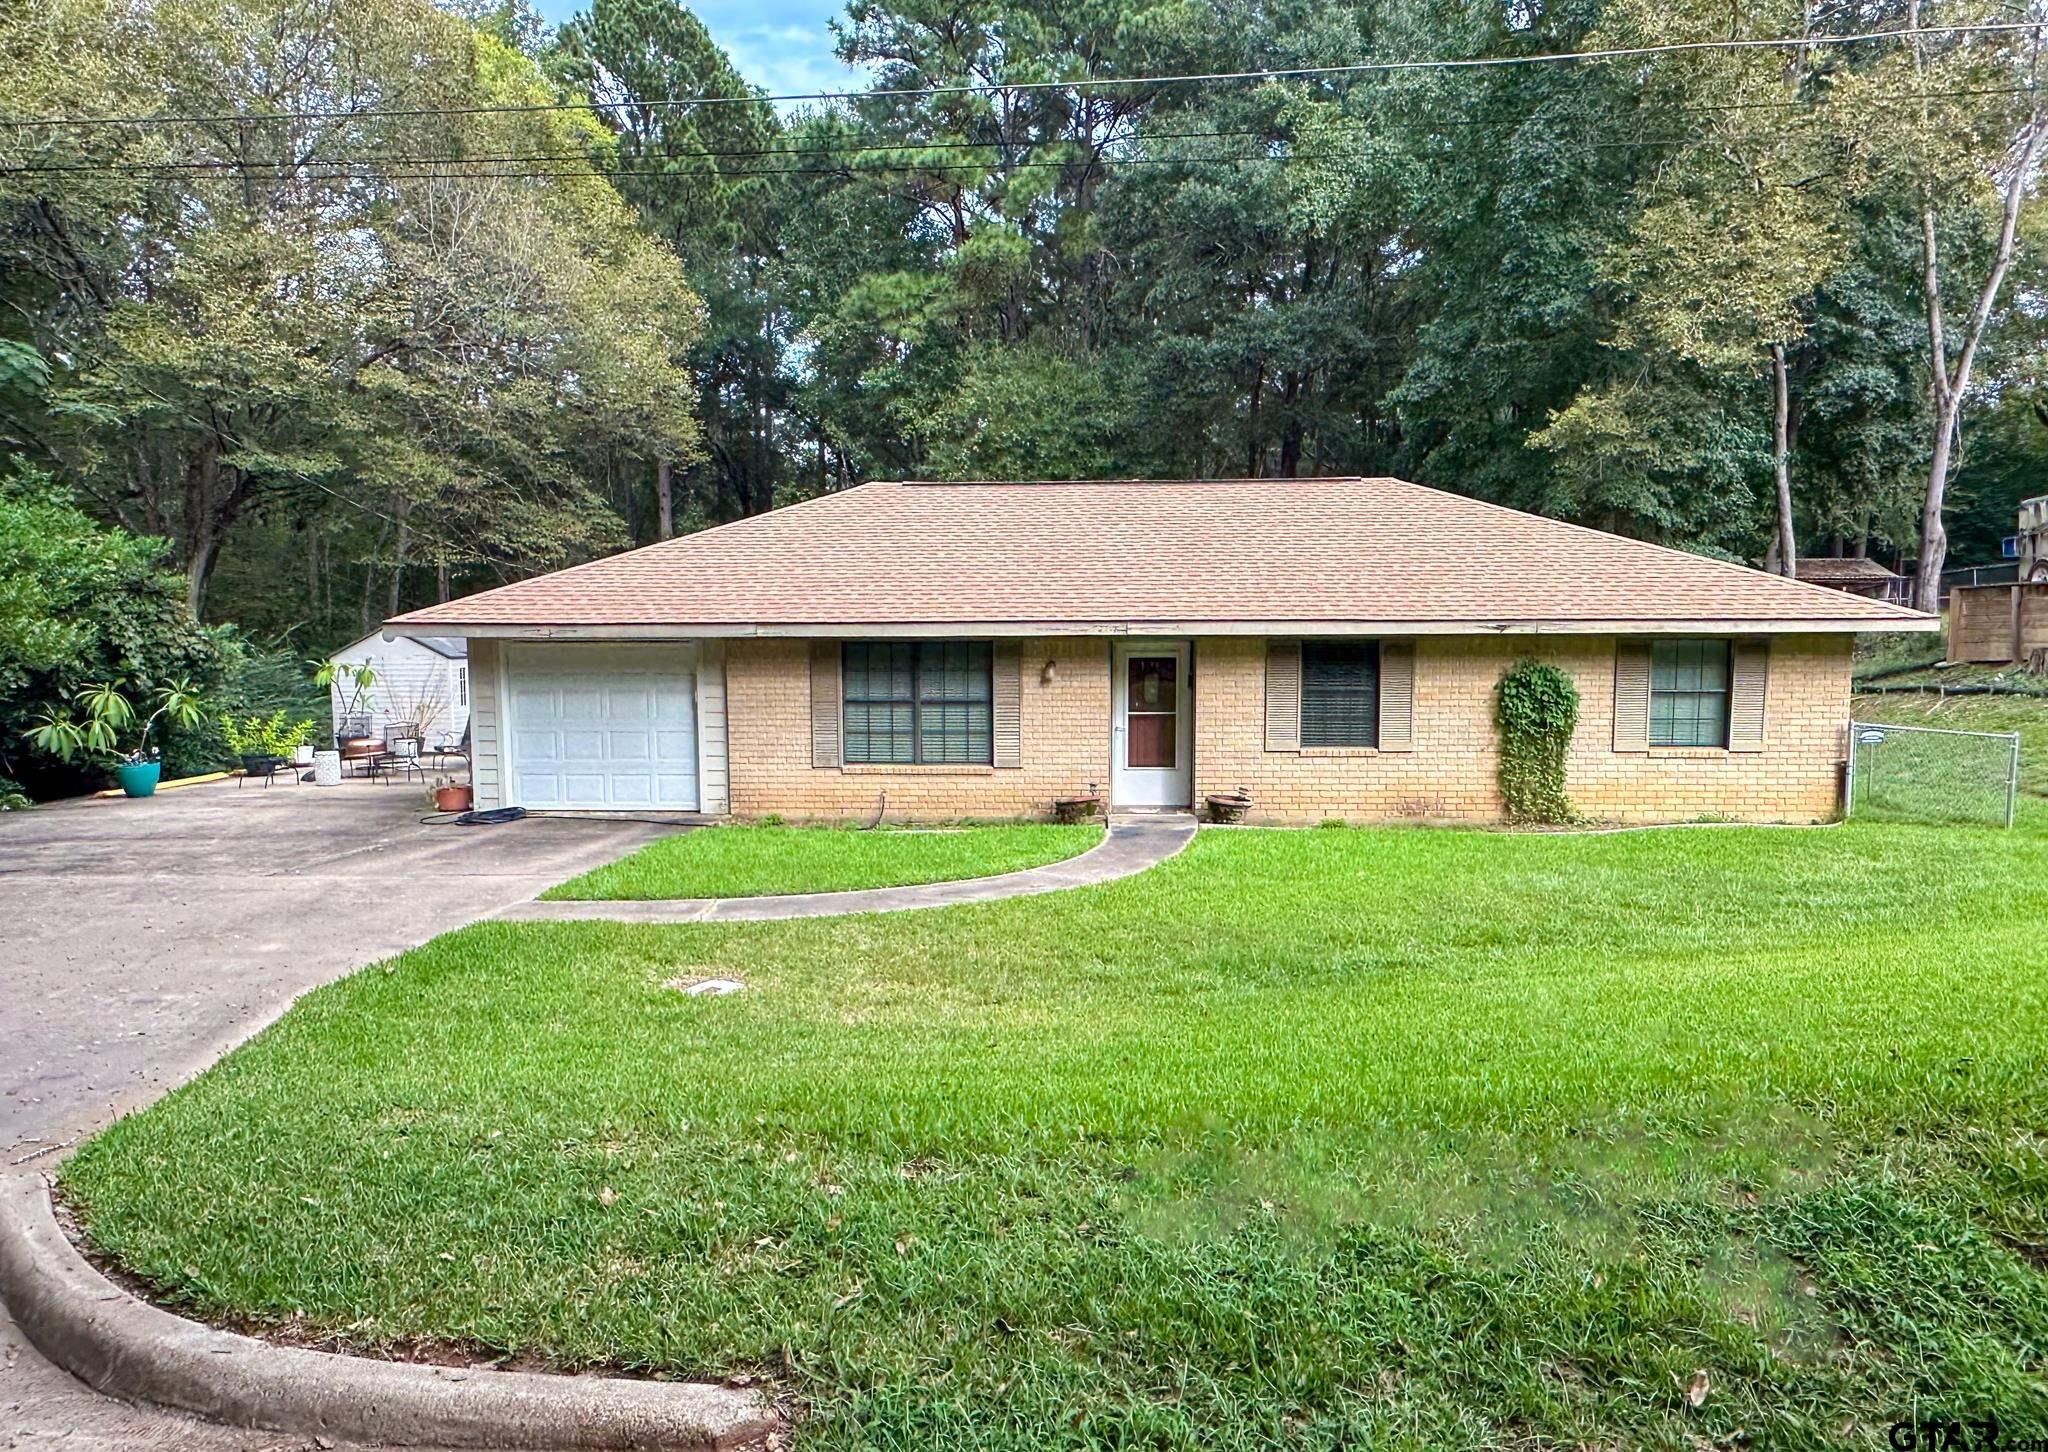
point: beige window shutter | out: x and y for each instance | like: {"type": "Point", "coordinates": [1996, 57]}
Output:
{"type": "Point", "coordinates": [1397, 695]}
{"type": "Point", "coordinates": [1008, 712]}
{"type": "Point", "coordinates": [825, 703]}
{"type": "Point", "coordinates": [1283, 694]}
{"type": "Point", "coordinates": [1749, 679]}
{"type": "Point", "coordinates": [1631, 695]}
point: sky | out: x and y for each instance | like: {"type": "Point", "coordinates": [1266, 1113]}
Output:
{"type": "Point", "coordinates": [782, 46]}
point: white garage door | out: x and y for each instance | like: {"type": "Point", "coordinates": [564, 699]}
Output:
{"type": "Point", "coordinates": [599, 728]}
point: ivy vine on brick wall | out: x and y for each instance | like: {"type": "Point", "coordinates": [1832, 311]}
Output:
{"type": "Point", "coordinates": [1536, 706]}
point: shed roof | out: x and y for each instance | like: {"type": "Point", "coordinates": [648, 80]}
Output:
{"type": "Point", "coordinates": [1234, 555]}
{"type": "Point", "coordinates": [1826, 570]}
{"type": "Point", "coordinates": [453, 647]}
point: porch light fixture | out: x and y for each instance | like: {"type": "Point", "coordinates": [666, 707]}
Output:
{"type": "Point", "coordinates": [1050, 674]}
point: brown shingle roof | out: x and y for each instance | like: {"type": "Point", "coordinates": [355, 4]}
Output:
{"type": "Point", "coordinates": [1336, 553]}
{"type": "Point", "coordinates": [1826, 570]}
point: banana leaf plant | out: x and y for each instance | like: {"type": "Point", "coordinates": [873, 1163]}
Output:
{"type": "Point", "coordinates": [99, 720]}
{"type": "Point", "coordinates": [355, 677]}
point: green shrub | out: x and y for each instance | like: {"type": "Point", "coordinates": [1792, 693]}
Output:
{"type": "Point", "coordinates": [270, 735]}
{"type": "Point", "coordinates": [84, 603]}
{"type": "Point", "coordinates": [1536, 706]}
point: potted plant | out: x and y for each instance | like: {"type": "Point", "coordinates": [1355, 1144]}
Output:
{"type": "Point", "coordinates": [266, 743]}
{"type": "Point", "coordinates": [248, 738]}
{"type": "Point", "coordinates": [105, 726]}
{"type": "Point", "coordinates": [295, 743]}
{"type": "Point", "coordinates": [1230, 806]}
{"type": "Point", "coordinates": [354, 678]}
{"type": "Point", "coordinates": [1071, 810]}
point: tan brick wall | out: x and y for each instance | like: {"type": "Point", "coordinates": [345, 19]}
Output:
{"type": "Point", "coordinates": [1449, 776]}
{"type": "Point", "coordinates": [1065, 732]}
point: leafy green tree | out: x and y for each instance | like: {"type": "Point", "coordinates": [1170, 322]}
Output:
{"type": "Point", "coordinates": [1963, 163]}
{"type": "Point", "coordinates": [81, 603]}
{"type": "Point", "coordinates": [340, 295]}
{"type": "Point", "coordinates": [1729, 240]}
{"type": "Point", "coordinates": [1517, 213]}
{"type": "Point", "coordinates": [1028, 412]}
{"type": "Point", "coordinates": [706, 163]}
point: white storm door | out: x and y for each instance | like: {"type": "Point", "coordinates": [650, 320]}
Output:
{"type": "Point", "coordinates": [1152, 747]}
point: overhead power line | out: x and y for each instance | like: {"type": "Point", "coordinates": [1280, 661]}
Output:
{"type": "Point", "coordinates": [1086, 83]}
{"type": "Point", "coordinates": [587, 172]}
{"type": "Point", "coordinates": [651, 163]}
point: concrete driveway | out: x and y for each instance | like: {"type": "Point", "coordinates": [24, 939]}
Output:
{"type": "Point", "coordinates": [141, 940]}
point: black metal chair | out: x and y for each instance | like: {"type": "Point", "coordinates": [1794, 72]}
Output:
{"type": "Point", "coordinates": [449, 744]}
{"type": "Point", "coordinates": [403, 759]}
{"type": "Point", "coordinates": [266, 767]}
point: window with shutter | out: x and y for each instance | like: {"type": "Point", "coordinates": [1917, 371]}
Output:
{"type": "Point", "coordinates": [1689, 693]}
{"type": "Point", "coordinates": [919, 702]}
{"type": "Point", "coordinates": [1340, 693]}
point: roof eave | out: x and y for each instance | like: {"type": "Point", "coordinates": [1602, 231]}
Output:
{"type": "Point", "coordinates": [1903, 621]}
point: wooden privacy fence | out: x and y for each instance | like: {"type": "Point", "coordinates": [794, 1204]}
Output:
{"type": "Point", "coordinates": [1997, 623]}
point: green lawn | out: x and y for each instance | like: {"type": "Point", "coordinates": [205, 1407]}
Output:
{"type": "Point", "coordinates": [1365, 1138]}
{"type": "Point", "coordinates": [753, 861]}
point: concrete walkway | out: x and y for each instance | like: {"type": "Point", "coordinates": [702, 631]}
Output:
{"type": "Point", "coordinates": [1133, 843]}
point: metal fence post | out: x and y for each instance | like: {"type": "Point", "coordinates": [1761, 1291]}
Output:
{"type": "Point", "coordinates": [2012, 780]}
{"type": "Point", "coordinates": [1849, 783]}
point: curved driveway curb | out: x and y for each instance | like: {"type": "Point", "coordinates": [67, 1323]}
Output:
{"type": "Point", "coordinates": [129, 1349]}
{"type": "Point", "coordinates": [1131, 845]}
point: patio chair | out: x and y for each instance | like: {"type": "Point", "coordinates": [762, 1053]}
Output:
{"type": "Point", "coordinates": [362, 753]}
{"type": "Point", "coordinates": [402, 759]}
{"type": "Point", "coordinates": [450, 744]}
{"type": "Point", "coordinates": [266, 767]}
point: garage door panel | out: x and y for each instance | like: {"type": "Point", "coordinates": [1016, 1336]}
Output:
{"type": "Point", "coordinates": [632, 791]}
{"type": "Point", "coordinates": [622, 738]}
{"type": "Point", "coordinates": [675, 705]}
{"type": "Point", "coordinates": [629, 747]}
{"type": "Point", "coordinates": [538, 788]}
{"type": "Point", "coordinates": [537, 748]}
{"type": "Point", "coordinates": [582, 746]}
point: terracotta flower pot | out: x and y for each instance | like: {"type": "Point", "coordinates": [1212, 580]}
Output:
{"type": "Point", "coordinates": [451, 798]}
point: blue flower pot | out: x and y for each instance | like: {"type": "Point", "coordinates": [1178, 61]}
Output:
{"type": "Point", "coordinates": [139, 778]}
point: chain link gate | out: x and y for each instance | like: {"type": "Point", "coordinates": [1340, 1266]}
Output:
{"type": "Point", "coordinates": [1927, 774]}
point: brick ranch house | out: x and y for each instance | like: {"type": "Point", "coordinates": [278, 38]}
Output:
{"type": "Point", "coordinates": [978, 650]}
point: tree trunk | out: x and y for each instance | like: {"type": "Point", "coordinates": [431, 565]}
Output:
{"type": "Point", "coordinates": [393, 596]}
{"type": "Point", "coordinates": [202, 525]}
{"type": "Point", "coordinates": [664, 500]}
{"type": "Point", "coordinates": [1948, 385]}
{"type": "Point", "coordinates": [205, 553]}
{"type": "Point", "coordinates": [1781, 460]}
{"type": "Point", "coordinates": [364, 610]}
{"type": "Point", "coordinates": [1252, 442]}
{"type": "Point", "coordinates": [1933, 534]}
